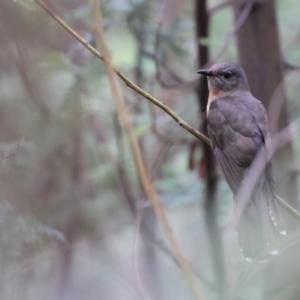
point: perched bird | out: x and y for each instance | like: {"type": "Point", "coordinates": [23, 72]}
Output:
{"type": "Point", "coordinates": [238, 129]}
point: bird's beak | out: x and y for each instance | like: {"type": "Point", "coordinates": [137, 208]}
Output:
{"type": "Point", "coordinates": [206, 72]}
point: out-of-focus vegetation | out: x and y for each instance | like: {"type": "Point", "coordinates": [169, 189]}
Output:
{"type": "Point", "coordinates": [70, 198]}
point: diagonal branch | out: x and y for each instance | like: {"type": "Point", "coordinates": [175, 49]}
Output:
{"type": "Point", "coordinates": [14, 152]}
{"type": "Point", "coordinates": [127, 81]}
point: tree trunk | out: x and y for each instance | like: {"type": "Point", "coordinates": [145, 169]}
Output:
{"type": "Point", "coordinates": [208, 162]}
{"type": "Point", "coordinates": [260, 57]}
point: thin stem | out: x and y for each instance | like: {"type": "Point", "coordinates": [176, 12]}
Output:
{"type": "Point", "coordinates": [127, 81]}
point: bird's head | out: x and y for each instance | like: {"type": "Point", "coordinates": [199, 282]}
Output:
{"type": "Point", "coordinates": [226, 77]}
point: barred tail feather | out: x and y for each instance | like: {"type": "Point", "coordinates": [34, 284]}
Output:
{"type": "Point", "coordinates": [263, 225]}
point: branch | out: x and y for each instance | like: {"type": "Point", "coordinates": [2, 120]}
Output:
{"type": "Point", "coordinates": [293, 212]}
{"type": "Point", "coordinates": [290, 67]}
{"type": "Point", "coordinates": [14, 152]}
{"type": "Point", "coordinates": [127, 81]}
{"type": "Point", "coordinates": [164, 137]}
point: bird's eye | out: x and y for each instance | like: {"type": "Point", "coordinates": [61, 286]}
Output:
{"type": "Point", "coordinates": [226, 75]}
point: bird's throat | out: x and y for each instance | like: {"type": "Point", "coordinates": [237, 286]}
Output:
{"type": "Point", "coordinates": [215, 94]}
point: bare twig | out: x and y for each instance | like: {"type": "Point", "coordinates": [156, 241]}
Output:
{"type": "Point", "coordinates": [164, 137]}
{"type": "Point", "coordinates": [127, 81]}
{"type": "Point", "coordinates": [290, 67]}
{"type": "Point", "coordinates": [14, 152]}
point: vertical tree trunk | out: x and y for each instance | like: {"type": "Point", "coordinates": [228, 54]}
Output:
{"type": "Point", "coordinates": [260, 57]}
{"type": "Point", "coordinates": [208, 162]}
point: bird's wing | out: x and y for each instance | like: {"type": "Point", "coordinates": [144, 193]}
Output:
{"type": "Point", "coordinates": [238, 130]}
{"type": "Point", "coordinates": [236, 137]}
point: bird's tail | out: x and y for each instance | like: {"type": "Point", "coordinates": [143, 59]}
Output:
{"type": "Point", "coordinates": [262, 225]}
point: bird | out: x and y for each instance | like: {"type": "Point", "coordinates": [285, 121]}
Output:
{"type": "Point", "coordinates": [237, 125]}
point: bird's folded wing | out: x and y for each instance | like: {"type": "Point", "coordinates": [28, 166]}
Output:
{"type": "Point", "coordinates": [232, 132]}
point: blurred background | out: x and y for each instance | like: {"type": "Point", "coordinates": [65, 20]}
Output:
{"type": "Point", "coordinates": [75, 222]}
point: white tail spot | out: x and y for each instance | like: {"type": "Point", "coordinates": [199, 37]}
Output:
{"type": "Point", "coordinates": [275, 252]}
{"type": "Point", "coordinates": [283, 232]}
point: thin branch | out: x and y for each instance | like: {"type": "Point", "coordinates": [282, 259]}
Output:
{"type": "Point", "coordinates": [138, 160]}
{"type": "Point", "coordinates": [288, 208]}
{"type": "Point", "coordinates": [290, 67]}
{"type": "Point", "coordinates": [127, 81]}
{"type": "Point", "coordinates": [239, 22]}
{"type": "Point", "coordinates": [164, 137]}
{"type": "Point", "coordinates": [14, 152]}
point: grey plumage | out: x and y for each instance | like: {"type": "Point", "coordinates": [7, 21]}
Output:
{"type": "Point", "coordinates": [237, 126]}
